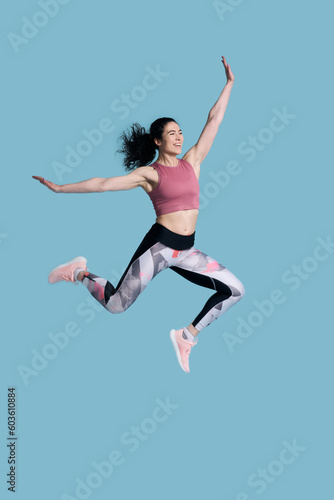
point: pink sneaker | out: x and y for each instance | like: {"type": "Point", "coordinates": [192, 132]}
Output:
{"type": "Point", "coordinates": [182, 348]}
{"type": "Point", "coordinates": [65, 271]}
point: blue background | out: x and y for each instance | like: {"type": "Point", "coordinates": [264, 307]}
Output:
{"type": "Point", "coordinates": [238, 406]}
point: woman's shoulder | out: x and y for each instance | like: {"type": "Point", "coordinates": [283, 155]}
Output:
{"type": "Point", "coordinates": [189, 159]}
{"type": "Point", "coordinates": [150, 177]}
{"type": "Point", "coordinates": [148, 171]}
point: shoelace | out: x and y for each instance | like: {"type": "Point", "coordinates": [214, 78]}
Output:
{"type": "Point", "coordinates": [71, 280]}
{"type": "Point", "coordinates": [189, 345]}
{"type": "Point", "coordinates": [188, 348]}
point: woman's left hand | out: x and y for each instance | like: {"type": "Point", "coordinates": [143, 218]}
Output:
{"type": "Point", "coordinates": [228, 71]}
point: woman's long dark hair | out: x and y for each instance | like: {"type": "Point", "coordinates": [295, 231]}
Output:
{"type": "Point", "coordinates": [139, 146]}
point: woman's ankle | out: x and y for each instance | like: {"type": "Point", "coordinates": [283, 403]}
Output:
{"type": "Point", "coordinates": [81, 275]}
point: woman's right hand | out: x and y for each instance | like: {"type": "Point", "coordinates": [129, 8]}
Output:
{"type": "Point", "coordinates": [228, 71]}
{"type": "Point", "coordinates": [54, 187]}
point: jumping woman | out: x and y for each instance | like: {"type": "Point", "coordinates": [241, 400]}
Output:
{"type": "Point", "coordinates": [172, 185]}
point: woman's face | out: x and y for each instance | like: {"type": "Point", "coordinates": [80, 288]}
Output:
{"type": "Point", "coordinates": [172, 139]}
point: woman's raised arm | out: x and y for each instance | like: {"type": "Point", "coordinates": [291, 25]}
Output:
{"type": "Point", "coordinates": [199, 151]}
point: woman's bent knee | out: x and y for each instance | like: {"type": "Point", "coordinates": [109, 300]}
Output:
{"type": "Point", "coordinates": [241, 290]}
{"type": "Point", "coordinates": [238, 290]}
{"type": "Point", "coordinates": [115, 308]}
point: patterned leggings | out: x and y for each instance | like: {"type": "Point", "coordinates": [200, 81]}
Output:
{"type": "Point", "coordinates": [161, 249]}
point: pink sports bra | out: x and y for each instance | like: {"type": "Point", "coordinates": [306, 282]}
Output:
{"type": "Point", "coordinates": [177, 188]}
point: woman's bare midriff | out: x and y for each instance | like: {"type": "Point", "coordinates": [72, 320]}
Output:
{"type": "Point", "coordinates": [182, 222]}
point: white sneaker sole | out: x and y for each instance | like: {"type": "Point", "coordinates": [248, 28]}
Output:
{"type": "Point", "coordinates": [76, 259]}
{"type": "Point", "coordinates": [176, 347]}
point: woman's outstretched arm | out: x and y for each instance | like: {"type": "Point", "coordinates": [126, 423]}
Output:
{"type": "Point", "coordinates": [216, 114]}
{"type": "Point", "coordinates": [89, 186]}
{"type": "Point", "coordinates": [99, 184]}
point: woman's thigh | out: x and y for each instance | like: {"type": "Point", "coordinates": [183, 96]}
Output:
{"type": "Point", "coordinates": [200, 268]}
{"type": "Point", "coordinates": [142, 268]}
